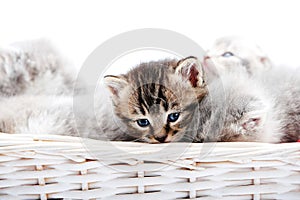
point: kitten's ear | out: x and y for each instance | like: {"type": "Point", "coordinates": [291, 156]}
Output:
{"type": "Point", "coordinates": [190, 69]}
{"type": "Point", "coordinates": [115, 84]}
{"type": "Point", "coordinates": [254, 120]}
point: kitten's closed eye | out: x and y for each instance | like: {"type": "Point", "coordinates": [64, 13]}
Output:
{"type": "Point", "coordinates": [227, 54]}
{"type": "Point", "coordinates": [251, 123]}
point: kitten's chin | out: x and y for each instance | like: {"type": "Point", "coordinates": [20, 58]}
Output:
{"type": "Point", "coordinates": [157, 142]}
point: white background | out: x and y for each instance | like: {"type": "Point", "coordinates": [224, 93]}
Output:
{"type": "Point", "coordinates": [78, 27]}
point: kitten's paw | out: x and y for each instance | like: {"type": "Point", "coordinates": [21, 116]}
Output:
{"type": "Point", "coordinates": [11, 70]}
{"type": "Point", "coordinates": [11, 61]}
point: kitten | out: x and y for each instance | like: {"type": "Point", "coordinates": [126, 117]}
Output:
{"type": "Point", "coordinates": [154, 102]}
{"type": "Point", "coordinates": [265, 108]}
{"type": "Point", "coordinates": [33, 67]}
{"type": "Point", "coordinates": [232, 54]}
{"type": "Point", "coordinates": [238, 109]}
{"type": "Point", "coordinates": [157, 101]}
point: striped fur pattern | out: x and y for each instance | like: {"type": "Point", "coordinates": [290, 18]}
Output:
{"type": "Point", "coordinates": [154, 91]}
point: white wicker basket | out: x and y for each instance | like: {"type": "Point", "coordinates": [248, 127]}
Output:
{"type": "Point", "coordinates": [60, 167]}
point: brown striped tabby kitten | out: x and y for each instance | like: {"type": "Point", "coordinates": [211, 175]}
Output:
{"type": "Point", "coordinates": [158, 101]}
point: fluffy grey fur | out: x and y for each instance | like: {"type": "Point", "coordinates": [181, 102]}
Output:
{"type": "Point", "coordinates": [238, 109]}
{"type": "Point", "coordinates": [36, 115]}
{"type": "Point", "coordinates": [264, 108]}
{"type": "Point", "coordinates": [284, 85]}
{"type": "Point", "coordinates": [40, 114]}
{"type": "Point", "coordinates": [34, 67]}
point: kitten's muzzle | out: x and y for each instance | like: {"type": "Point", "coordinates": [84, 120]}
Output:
{"type": "Point", "coordinates": [161, 139]}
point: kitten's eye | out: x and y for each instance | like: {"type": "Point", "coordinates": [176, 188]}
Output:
{"type": "Point", "coordinates": [173, 117]}
{"type": "Point", "coordinates": [143, 122]}
{"type": "Point", "coordinates": [227, 54]}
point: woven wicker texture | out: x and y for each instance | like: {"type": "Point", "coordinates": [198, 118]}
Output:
{"type": "Point", "coordinates": [60, 167]}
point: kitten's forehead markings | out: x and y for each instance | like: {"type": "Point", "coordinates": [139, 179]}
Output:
{"type": "Point", "coordinates": [143, 105]}
{"type": "Point", "coordinates": [147, 100]}
{"type": "Point", "coordinates": [155, 109]}
{"type": "Point", "coordinates": [161, 96]}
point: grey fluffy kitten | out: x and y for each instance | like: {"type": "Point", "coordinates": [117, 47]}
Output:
{"type": "Point", "coordinates": [238, 109]}
{"type": "Point", "coordinates": [34, 67]}
{"type": "Point", "coordinates": [265, 108]}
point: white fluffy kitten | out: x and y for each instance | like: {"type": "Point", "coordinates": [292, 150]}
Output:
{"type": "Point", "coordinates": [34, 67]}
{"type": "Point", "coordinates": [229, 54]}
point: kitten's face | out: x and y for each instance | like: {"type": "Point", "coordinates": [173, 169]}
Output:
{"type": "Point", "coordinates": [246, 112]}
{"type": "Point", "coordinates": [231, 54]}
{"type": "Point", "coordinates": [245, 120]}
{"type": "Point", "coordinates": [156, 101]}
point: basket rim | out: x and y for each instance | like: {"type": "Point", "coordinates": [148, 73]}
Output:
{"type": "Point", "coordinates": [75, 146]}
